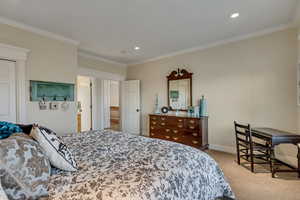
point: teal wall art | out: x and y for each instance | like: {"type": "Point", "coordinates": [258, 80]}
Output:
{"type": "Point", "coordinates": [51, 91]}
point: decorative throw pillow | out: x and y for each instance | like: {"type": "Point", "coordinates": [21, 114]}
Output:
{"type": "Point", "coordinates": [57, 152]}
{"type": "Point", "coordinates": [6, 129]}
{"type": "Point", "coordinates": [26, 128]}
{"type": "Point", "coordinates": [24, 169]}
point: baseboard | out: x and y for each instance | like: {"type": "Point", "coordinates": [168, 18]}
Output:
{"type": "Point", "coordinates": [227, 149]}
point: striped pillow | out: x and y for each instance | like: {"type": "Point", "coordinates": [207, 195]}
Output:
{"type": "Point", "coordinates": [57, 152]}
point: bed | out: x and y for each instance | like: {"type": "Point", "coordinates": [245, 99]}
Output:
{"type": "Point", "coordinates": [119, 166]}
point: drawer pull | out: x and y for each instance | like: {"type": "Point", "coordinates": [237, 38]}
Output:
{"type": "Point", "coordinates": [195, 142]}
{"type": "Point", "coordinates": [167, 130]}
{"type": "Point", "coordinates": [192, 121]}
{"type": "Point", "coordinates": [167, 137]}
{"type": "Point", "coordinates": [163, 124]}
{"type": "Point", "coordinates": [154, 118]}
{"type": "Point", "coordinates": [180, 120]}
{"type": "Point", "coordinates": [180, 126]}
{"type": "Point", "coordinates": [195, 134]}
{"type": "Point", "coordinates": [175, 138]}
{"type": "Point", "coordinates": [152, 134]}
{"type": "Point", "coordinates": [152, 127]}
{"type": "Point", "coordinates": [153, 123]}
{"type": "Point", "coordinates": [192, 127]}
{"type": "Point", "coordinates": [163, 118]}
{"type": "Point", "coordinates": [175, 131]}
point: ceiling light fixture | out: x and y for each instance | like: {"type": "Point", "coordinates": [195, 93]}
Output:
{"type": "Point", "coordinates": [137, 48]}
{"type": "Point", "coordinates": [234, 15]}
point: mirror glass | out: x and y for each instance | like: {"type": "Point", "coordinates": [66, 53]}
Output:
{"type": "Point", "coordinates": [179, 94]}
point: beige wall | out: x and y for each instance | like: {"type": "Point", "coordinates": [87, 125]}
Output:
{"type": "Point", "coordinates": [250, 81]}
{"type": "Point", "coordinates": [49, 60]}
{"type": "Point", "coordinates": [100, 65]}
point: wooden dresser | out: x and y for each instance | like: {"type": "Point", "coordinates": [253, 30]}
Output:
{"type": "Point", "coordinates": [190, 131]}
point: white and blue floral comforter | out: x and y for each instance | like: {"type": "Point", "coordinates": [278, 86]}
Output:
{"type": "Point", "coordinates": [119, 166]}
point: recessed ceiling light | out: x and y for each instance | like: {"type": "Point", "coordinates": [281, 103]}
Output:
{"type": "Point", "coordinates": [137, 48]}
{"type": "Point", "coordinates": [234, 15]}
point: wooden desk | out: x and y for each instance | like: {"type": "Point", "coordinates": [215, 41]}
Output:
{"type": "Point", "coordinates": [276, 137]}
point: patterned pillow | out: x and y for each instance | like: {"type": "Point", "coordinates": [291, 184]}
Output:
{"type": "Point", "coordinates": [57, 152]}
{"type": "Point", "coordinates": [24, 169]}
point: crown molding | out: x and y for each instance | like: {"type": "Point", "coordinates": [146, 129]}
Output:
{"type": "Point", "coordinates": [32, 29]}
{"type": "Point", "coordinates": [218, 43]}
{"type": "Point", "coordinates": [87, 55]}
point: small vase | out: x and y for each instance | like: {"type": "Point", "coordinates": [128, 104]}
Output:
{"type": "Point", "coordinates": [203, 107]}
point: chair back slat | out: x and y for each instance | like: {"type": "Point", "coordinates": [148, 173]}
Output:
{"type": "Point", "coordinates": [243, 132]}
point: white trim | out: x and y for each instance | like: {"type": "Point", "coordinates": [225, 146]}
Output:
{"type": "Point", "coordinates": [87, 55]}
{"type": "Point", "coordinates": [100, 74]}
{"type": "Point", "coordinates": [298, 84]}
{"type": "Point", "coordinates": [32, 29]}
{"type": "Point", "coordinates": [19, 55]}
{"type": "Point", "coordinates": [105, 96]}
{"type": "Point", "coordinates": [21, 91]}
{"type": "Point", "coordinates": [95, 118]}
{"type": "Point", "coordinates": [218, 43]}
{"type": "Point", "coordinates": [13, 53]}
{"type": "Point", "coordinates": [227, 149]}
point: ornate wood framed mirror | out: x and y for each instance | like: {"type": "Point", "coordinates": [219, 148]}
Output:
{"type": "Point", "coordinates": [180, 90]}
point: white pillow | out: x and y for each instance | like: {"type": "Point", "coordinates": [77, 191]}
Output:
{"type": "Point", "coordinates": [57, 152]}
{"type": "Point", "coordinates": [2, 193]}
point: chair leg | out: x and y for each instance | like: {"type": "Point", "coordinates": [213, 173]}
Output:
{"type": "Point", "coordinates": [252, 160]}
{"type": "Point", "coordinates": [238, 154]}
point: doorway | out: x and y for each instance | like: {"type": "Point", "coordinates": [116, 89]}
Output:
{"type": "Point", "coordinates": [85, 102]}
{"type": "Point", "coordinates": [114, 105]}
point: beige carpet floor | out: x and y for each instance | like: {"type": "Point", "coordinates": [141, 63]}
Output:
{"type": "Point", "coordinates": [259, 185]}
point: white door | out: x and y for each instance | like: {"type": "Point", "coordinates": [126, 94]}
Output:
{"type": "Point", "coordinates": [7, 91]}
{"type": "Point", "coordinates": [131, 107]}
{"type": "Point", "coordinates": [84, 97]}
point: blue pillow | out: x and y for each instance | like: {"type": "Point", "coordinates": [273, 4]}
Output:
{"type": "Point", "coordinates": [7, 129]}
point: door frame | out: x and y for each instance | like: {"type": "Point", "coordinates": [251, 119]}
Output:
{"type": "Point", "coordinates": [19, 56]}
{"type": "Point", "coordinates": [98, 111]}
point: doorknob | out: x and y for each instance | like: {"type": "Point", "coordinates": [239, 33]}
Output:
{"type": "Point", "coordinates": [137, 110]}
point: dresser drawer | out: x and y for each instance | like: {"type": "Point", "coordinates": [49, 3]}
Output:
{"type": "Point", "coordinates": [192, 140]}
{"type": "Point", "coordinates": [179, 129]}
{"type": "Point", "coordinates": [154, 123]}
{"type": "Point", "coordinates": [192, 121]}
{"type": "Point", "coordinates": [192, 124]}
{"type": "Point", "coordinates": [175, 120]}
{"type": "Point", "coordinates": [154, 118]}
{"type": "Point", "coordinates": [192, 127]}
{"type": "Point", "coordinates": [154, 127]}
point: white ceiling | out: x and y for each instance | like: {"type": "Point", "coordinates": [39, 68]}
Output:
{"type": "Point", "coordinates": [111, 28]}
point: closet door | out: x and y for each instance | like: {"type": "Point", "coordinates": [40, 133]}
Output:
{"type": "Point", "coordinates": [131, 107]}
{"type": "Point", "coordinates": [7, 91]}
